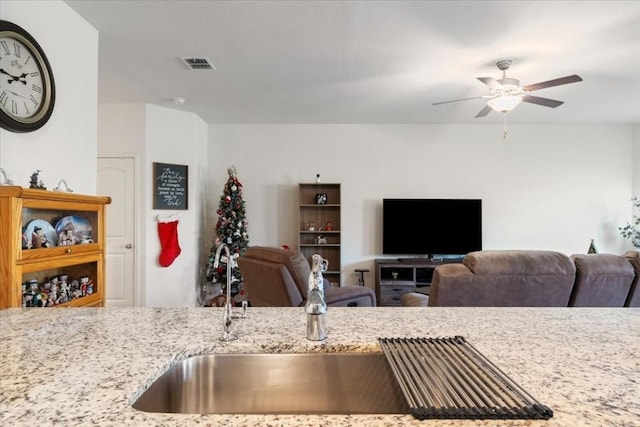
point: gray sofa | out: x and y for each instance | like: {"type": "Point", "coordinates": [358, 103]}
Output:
{"type": "Point", "coordinates": [529, 278]}
{"type": "Point", "coordinates": [633, 299]}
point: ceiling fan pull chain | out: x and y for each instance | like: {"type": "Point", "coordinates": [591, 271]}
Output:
{"type": "Point", "coordinates": [504, 135]}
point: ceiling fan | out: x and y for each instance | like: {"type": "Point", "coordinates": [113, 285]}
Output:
{"type": "Point", "coordinates": [506, 93]}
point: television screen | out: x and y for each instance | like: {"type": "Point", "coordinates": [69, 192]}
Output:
{"type": "Point", "coordinates": [431, 227]}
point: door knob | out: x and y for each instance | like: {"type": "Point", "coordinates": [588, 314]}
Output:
{"type": "Point", "coordinates": [128, 246]}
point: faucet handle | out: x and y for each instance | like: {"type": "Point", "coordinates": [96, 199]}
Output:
{"type": "Point", "coordinates": [227, 322]}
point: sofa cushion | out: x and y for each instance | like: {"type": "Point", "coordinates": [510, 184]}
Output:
{"type": "Point", "coordinates": [602, 280]}
{"type": "Point", "coordinates": [518, 263]}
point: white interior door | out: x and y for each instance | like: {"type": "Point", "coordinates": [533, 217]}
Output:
{"type": "Point", "coordinates": [116, 178]}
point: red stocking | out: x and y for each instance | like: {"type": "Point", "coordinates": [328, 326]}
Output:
{"type": "Point", "coordinates": [168, 233]}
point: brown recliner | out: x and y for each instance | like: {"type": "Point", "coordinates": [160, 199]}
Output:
{"type": "Point", "coordinates": [602, 280]}
{"type": "Point", "coordinates": [510, 278]}
{"type": "Point", "coordinates": [277, 277]}
{"type": "Point", "coordinates": [633, 299]}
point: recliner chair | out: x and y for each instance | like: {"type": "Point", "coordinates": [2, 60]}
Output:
{"type": "Point", "coordinates": [277, 277]}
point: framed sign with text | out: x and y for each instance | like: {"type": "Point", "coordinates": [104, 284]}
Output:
{"type": "Point", "coordinates": [170, 186]}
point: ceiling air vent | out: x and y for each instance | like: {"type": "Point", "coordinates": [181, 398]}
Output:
{"type": "Point", "coordinates": [198, 63]}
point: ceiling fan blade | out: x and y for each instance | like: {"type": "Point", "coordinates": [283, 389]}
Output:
{"type": "Point", "coordinates": [491, 82]}
{"type": "Point", "coordinates": [555, 82]}
{"type": "Point", "coordinates": [457, 100]}
{"type": "Point", "coordinates": [546, 102]}
{"type": "Point", "coordinates": [486, 110]}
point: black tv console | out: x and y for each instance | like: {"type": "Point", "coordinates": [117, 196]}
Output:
{"type": "Point", "coordinates": [396, 277]}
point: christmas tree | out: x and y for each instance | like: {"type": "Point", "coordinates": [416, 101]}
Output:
{"type": "Point", "coordinates": [231, 230]}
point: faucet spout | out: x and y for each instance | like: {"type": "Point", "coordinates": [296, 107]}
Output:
{"type": "Point", "coordinates": [227, 317]}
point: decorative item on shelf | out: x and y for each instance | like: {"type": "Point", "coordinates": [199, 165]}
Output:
{"type": "Point", "coordinates": [320, 240]}
{"type": "Point", "coordinates": [73, 230]}
{"type": "Point", "coordinates": [311, 226]}
{"type": "Point", "coordinates": [394, 274]}
{"type": "Point", "coordinates": [61, 189]}
{"type": "Point", "coordinates": [40, 234]}
{"type": "Point", "coordinates": [592, 248]}
{"type": "Point", "coordinates": [329, 226]}
{"type": "Point", "coordinates": [321, 198]}
{"type": "Point", "coordinates": [5, 180]}
{"type": "Point", "coordinates": [317, 178]}
{"type": "Point", "coordinates": [36, 182]}
{"type": "Point", "coordinates": [55, 290]}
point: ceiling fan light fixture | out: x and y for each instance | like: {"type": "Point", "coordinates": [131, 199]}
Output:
{"type": "Point", "coordinates": [505, 103]}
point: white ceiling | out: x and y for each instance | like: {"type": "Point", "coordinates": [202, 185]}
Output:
{"type": "Point", "coordinates": [368, 61]}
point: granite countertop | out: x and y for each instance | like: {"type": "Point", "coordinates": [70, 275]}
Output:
{"type": "Point", "coordinates": [84, 366]}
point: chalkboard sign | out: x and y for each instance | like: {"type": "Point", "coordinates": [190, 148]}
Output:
{"type": "Point", "coordinates": [170, 183]}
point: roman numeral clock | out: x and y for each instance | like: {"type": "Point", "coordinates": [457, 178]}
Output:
{"type": "Point", "coordinates": [27, 88]}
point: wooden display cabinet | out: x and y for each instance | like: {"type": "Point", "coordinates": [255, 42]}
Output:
{"type": "Point", "coordinates": [82, 260]}
{"type": "Point", "coordinates": [324, 218]}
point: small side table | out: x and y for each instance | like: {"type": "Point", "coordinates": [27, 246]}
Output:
{"type": "Point", "coordinates": [361, 278]}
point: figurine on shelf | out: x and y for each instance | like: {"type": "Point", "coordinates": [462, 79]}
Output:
{"type": "Point", "coordinates": [38, 238]}
{"type": "Point", "coordinates": [84, 285]}
{"type": "Point", "coordinates": [321, 199]}
{"type": "Point", "coordinates": [35, 182]}
{"type": "Point", "coordinates": [53, 294]}
{"type": "Point", "coordinates": [329, 226]}
{"type": "Point", "coordinates": [5, 180]}
{"type": "Point", "coordinates": [321, 240]}
{"type": "Point", "coordinates": [311, 226]}
{"type": "Point", "coordinates": [65, 188]}
{"type": "Point", "coordinates": [67, 236]}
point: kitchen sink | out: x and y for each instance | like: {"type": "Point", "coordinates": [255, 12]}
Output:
{"type": "Point", "coordinates": [277, 383]}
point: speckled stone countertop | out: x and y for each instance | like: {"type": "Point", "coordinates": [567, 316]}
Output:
{"type": "Point", "coordinates": [85, 366]}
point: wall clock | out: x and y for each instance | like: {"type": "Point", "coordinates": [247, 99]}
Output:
{"type": "Point", "coordinates": [27, 88]}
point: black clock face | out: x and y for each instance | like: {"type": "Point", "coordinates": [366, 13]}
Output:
{"type": "Point", "coordinates": [27, 92]}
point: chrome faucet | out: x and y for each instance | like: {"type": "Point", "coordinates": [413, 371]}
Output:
{"type": "Point", "coordinates": [316, 306]}
{"type": "Point", "coordinates": [227, 317]}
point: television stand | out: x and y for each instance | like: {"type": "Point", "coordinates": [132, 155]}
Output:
{"type": "Point", "coordinates": [413, 259]}
{"type": "Point", "coordinates": [396, 277]}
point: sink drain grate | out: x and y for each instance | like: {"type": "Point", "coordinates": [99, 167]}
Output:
{"type": "Point", "coordinates": [449, 378]}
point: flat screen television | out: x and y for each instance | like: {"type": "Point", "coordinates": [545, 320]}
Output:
{"type": "Point", "coordinates": [431, 227]}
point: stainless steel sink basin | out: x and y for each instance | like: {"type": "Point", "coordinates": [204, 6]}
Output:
{"type": "Point", "coordinates": [301, 383]}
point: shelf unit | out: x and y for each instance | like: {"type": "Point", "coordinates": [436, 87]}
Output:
{"type": "Point", "coordinates": [20, 264]}
{"type": "Point", "coordinates": [311, 213]}
{"type": "Point", "coordinates": [394, 278]}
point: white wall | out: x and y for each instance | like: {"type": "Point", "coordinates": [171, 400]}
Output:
{"type": "Point", "coordinates": [174, 137]}
{"type": "Point", "coordinates": [65, 147]}
{"type": "Point", "coordinates": [545, 187]}
{"type": "Point", "coordinates": [157, 134]}
{"type": "Point", "coordinates": [635, 159]}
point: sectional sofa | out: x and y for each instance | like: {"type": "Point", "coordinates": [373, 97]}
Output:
{"type": "Point", "coordinates": [529, 278]}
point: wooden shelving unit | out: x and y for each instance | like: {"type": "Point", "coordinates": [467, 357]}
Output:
{"type": "Point", "coordinates": [20, 263]}
{"type": "Point", "coordinates": [325, 238]}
